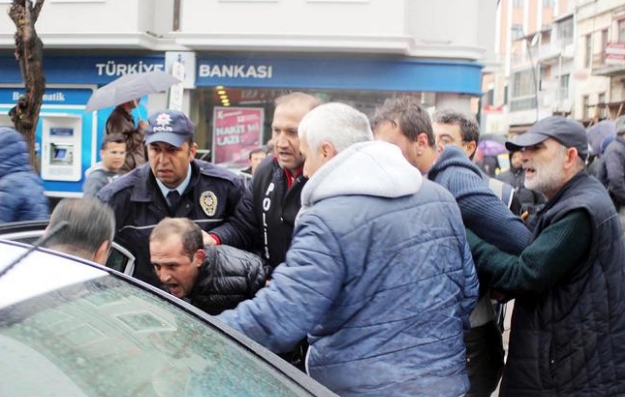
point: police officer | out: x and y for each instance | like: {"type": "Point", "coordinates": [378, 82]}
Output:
{"type": "Point", "coordinates": [172, 184]}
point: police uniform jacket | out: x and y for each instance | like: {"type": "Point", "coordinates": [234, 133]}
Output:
{"type": "Point", "coordinates": [209, 200]}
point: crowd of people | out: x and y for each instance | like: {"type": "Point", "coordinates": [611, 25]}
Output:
{"type": "Point", "coordinates": [374, 254]}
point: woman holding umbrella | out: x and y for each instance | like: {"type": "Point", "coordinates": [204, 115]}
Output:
{"type": "Point", "coordinates": [121, 122]}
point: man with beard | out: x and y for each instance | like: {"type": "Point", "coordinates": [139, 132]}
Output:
{"type": "Point", "coordinates": [530, 200]}
{"type": "Point", "coordinates": [568, 325]}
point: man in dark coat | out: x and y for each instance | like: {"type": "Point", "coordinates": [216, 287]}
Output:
{"type": "Point", "coordinates": [568, 326]}
{"type": "Point", "coordinates": [267, 212]}
{"type": "Point", "coordinates": [213, 279]}
{"type": "Point", "coordinates": [121, 122]}
{"type": "Point", "coordinates": [614, 162]}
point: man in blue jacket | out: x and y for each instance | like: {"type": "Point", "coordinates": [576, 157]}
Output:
{"type": "Point", "coordinates": [404, 122]}
{"type": "Point", "coordinates": [378, 274]}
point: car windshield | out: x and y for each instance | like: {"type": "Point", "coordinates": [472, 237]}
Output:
{"type": "Point", "coordinates": [102, 336]}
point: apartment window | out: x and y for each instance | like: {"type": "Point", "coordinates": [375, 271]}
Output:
{"type": "Point", "coordinates": [621, 31]}
{"type": "Point", "coordinates": [585, 106]}
{"type": "Point", "coordinates": [516, 31]}
{"type": "Point", "coordinates": [548, 3]}
{"type": "Point", "coordinates": [603, 112]}
{"type": "Point", "coordinates": [518, 3]}
{"type": "Point", "coordinates": [565, 31]}
{"type": "Point", "coordinates": [564, 86]}
{"type": "Point", "coordinates": [523, 91]}
{"type": "Point", "coordinates": [604, 41]}
{"type": "Point", "coordinates": [588, 50]}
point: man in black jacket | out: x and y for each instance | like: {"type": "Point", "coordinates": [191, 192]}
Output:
{"type": "Point", "coordinates": [267, 213]}
{"type": "Point", "coordinates": [568, 325]}
{"type": "Point", "coordinates": [213, 279]}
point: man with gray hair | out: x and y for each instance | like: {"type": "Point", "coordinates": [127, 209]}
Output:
{"type": "Point", "coordinates": [378, 276]}
{"type": "Point", "coordinates": [614, 162]}
{"type": "Point", "coordinates": [568, 326]}
{"type": "Point", "coordinates": [90, 229]}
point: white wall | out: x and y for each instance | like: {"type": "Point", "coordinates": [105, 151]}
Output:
{"type": "Point", "coordinates": [454, 29]}
{"type": "Point", "coordinates": [285, 17]}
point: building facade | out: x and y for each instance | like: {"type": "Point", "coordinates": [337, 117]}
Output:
{"type": "Point", "coordinates": [241, 54]}
{"type": "Point", "coordinates": [536, 52]}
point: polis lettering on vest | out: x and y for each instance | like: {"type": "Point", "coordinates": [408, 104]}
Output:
{"type": "Point", "coordinates": [237, 71]}
{"type": "Point", "coordinates": [266, 206]}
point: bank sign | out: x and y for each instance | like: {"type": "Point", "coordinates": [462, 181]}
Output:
{"type": "Point", "coordinates": [83, 70]}
{"type": "Point", "coordinates": [340, 73]}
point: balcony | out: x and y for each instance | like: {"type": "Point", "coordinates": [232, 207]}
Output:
{"type": "Point", "coordinates": [611, 62]}
{"type": "Point", "coordinates": [551, 53]}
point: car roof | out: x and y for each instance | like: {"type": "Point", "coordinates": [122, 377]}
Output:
{"type": "Point", "coordinates": [52, 270]}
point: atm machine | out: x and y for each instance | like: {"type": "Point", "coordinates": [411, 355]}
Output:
{"type": "Point", "coordinates": [61, 147]}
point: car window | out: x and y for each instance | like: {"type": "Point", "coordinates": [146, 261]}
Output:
{"type": "Point", "coordinates": [105, 337]}
{"type": "Point", "coordinates": [119, 259]}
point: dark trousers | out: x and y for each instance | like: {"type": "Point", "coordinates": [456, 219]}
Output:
{"type": "Point", "coordinates": [484, 359]}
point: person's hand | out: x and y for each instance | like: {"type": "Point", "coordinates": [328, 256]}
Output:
{"type": "Point", "coordinates": [208, 239]}
{"type": "Point", "coordinates": [143, 125]}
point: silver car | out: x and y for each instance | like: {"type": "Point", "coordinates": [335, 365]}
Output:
{"type": "Point", "coordinates": [69, 328]}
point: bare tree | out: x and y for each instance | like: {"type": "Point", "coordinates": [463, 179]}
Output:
{"type": "Point", "coordinates": [29, 55]}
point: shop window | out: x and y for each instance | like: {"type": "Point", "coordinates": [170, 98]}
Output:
{"type": "Point", "coordinates": [261, 101]}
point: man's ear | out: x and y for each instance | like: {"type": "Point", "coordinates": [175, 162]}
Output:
{"type": "Point", "coordinates": [327, 150]}
{"type": "Point", "coordinates": [102, 253]}
{"type": "Point", "coordinates": [471, 146]}
{"type": "Point", "coordinates": [200, 256]}
{"type": "Point", "coordinates": [422, 142]}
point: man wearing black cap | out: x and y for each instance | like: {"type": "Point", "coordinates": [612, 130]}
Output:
{"type": "Point", "coordinates": [568, 325]}
{"type": "Point", "coordinates": [173, 184]}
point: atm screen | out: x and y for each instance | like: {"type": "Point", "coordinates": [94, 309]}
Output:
{"type": "Point", "coordinates": [60, 154]}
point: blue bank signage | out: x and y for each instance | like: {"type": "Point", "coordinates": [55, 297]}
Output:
{"type": "Point", "coordinates": [51, 96]}
{"type": "Point", "coordinates": [83, 70]}
{"type": "Point", "coordinates": [272, 72]}
{"type": "Point", "coordinates": [341, 73]}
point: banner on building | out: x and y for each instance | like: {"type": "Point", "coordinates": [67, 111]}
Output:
{"type": "Point", "coordinates": [236, 132]}
{"type": "Point", "coordinates": [615, 54]}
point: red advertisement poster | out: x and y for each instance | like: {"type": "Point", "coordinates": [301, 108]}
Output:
{"type": "Point", "coordinates": [236, 131]}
